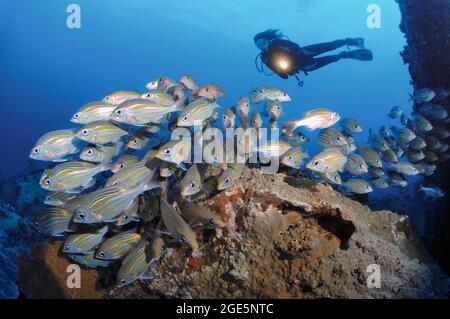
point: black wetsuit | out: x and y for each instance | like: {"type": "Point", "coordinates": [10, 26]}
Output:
{"type": "Point", "coordinates": [305, 59]}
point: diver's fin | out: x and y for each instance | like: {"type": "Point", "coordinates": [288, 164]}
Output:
{"type": "Point", "coordinates": [362, 55]}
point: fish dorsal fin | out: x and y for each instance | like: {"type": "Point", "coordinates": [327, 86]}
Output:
{"type": "Point", "coordinates": [318, 110]}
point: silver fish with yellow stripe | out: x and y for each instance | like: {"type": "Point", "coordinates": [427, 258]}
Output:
{"type": "Point", "coordinates": [54, 221]}
{"type": "Point", "coordinates": [100, 132]}
{"type": "Point", "coordinates": [55, 146]}
{"type": "Point", "coordinates": [195, 213]}
{"type": "Point", "coordinates": [106, 205]}
{"type": "Point", "coordinates": [84, 243]}
{"type": "Point", "coordinates": [141, 112]}
{"type": "Point", "coordinates": [175, 151]}
{"type": "Point", "coordinates": [177, 226]}
{"type": "Point", "coordinates": [92, 112]}
{"type": "Point", "coordinates": [123, 161]}
{"type": "Point", "coordinates": [117, 246]}
{"type": "Point", "coordinates": [329, 161]}
{"type": "Point", "coordinates": [119, 97]}
{"type": "Point", "coordinates": [71, 176]}
{"type": "Point", "coordinates": [58, 199]}
{"type": "Point", "coordinates": [130, 176]}
{"type": "Point", "coordinates": [135, 264]}
{"type": "Point", "coordinates": [100, 153]}
{"type": "Point", "coordinates": [230, 176]}
{"type": "Point", "coordinates": [89, 260]}
{"type": "Point", "coordinates": [197, 112]}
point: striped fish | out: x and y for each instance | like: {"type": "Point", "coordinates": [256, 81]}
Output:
{"type": "Point", "coordinates": [230, 176]}
{"type": "Point", "coordinates": [351, 126]}
{"type": "Point", "coordinates": [260, 94]}
{"type": "Point", "coordinates": [54, 221]}
{"type": "Point", "coordinates": [119, 97]}
{"type": "Point", "coordinates": [356, 165]}
{"type": "Point", "coordinates": [175, 151]}
{"type": "Point", "coordinates": [135, 264]}
{"type": "Point", "coordinates": [117, 246]}
{"type": "Point", "coordinates": [100, 153]}
{"type": "Point", "coordinates": [130, 176]}
{"type": "Point", "coordinates": [130, 214]}
{"type": "Point", "coordinates": [176, 226]}
{"type": "Point", "coordinates": [55, 146]}
{"type": "Point", "coordinates": [58, 199]}
{"type": "Point", "coordinates": [197, 213]}
{"type": "Point", "coordinates": [123, 161]}
{"type": "Point", "coordinates": [84, 243]}
{"type": "Point", "coordinates": [89, 260]}
{"type": "Point", "coordinates": [159, 97]}
{"type": "Point", "coordinates": [329, 161]}
{"type": "Point", "coordinates": [105, 205]}
{"type": "Point", "coordinates": [196, 112]}
{"type": "Point", "coordinates": [140, 112]}
{"type": "Point", "coordinates": [137, 141]}
{"type": "Point", "coordinates": [371, 157]}
{"type": "Point", "coordinates": [71, 176]}
{"type": "Point", "coordinates": [94, 111]}
{"type": "Point", "coordinates": [100, 132]}
{"type": "Point", "coordinates": [331, 137]}
{"type": "Point", "coordinates": [273, 149]}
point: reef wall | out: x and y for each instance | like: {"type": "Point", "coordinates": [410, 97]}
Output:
{"type": "Point", "coordinates": [285, 237]}
{"type": "Point", "coordinates": [426, 25]}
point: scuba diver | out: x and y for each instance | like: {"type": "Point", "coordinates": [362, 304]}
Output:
{"type": "Point", "coordinates": [287, 58]}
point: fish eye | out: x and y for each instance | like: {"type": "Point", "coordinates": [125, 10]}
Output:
{"type": "Point", "coordinates": [66, 248]}
{"type": "Point", "coordinates": [48, 182]}
{"type": "Point", "coordinates": [101, 254]}
{"type": "Point", "coordinates": [261, 91]}
{"type": "Point", "coordinates": [76, 115]}
{"type": "Point", "coordinates": [123, 281]}
{"type": "Point", "coordinates": [361, 166]}
{"type": "Point", "coordinates": [183, 240]}
{"type": "Point", "coordinates": [125, 217]}
{"type": "Point", "coordinates": [107, 98]}
{"type": "Point", "coordinates": [316, 163]}
{"type": "Point", "coordinates": [192, 184]}
{"type": "Point", "coordinates": [36, 150]}
{"type": "Point", "coordinates": [80, 216]}
{"type": "Point", "coordinates": [135, 141]}
{"type": "Point", "coordinates": [89, 152]}
{"type": "Point", "coordinates": [121, 165]}
{"type": "Point", "coordinates": [211, 223]}
{"type": "Point", "coordinates": [118, 112]}
{"type": "Point", "coordinates": [167, 151]}
{"type": "Point", "coordinates": [85, 132]}
{"type": "Point", "coordinates": [47, 198]}
{"type": "Point", "coordinates": [185, 118]}
{"type": "Point", "coordinates": [227, 181]}
{"type": "Point", "coordinates": [206, 89]}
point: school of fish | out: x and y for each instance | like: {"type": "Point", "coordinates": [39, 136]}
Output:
{"type": "Point", "coordinates": [121, 188]}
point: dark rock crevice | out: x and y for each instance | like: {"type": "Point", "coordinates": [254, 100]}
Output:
{"type": "Point", "coordinates": [426, 25]}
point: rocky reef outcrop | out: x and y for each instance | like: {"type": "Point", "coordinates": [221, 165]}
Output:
{"type": "Point", "coordinates": [426, 25]}
{"type": "Point", "coordinates": [285, 237]}
{"type": "Point", "coordinates": [21, 200]}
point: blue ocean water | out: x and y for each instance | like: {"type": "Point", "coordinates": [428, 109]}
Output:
{"type": "Point", "coordinates": [49, 71]}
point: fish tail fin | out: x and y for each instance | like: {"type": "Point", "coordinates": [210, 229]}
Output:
{"type": "Point", "coordinates": [105, 166]}
{"type": "Point", "coordinates": [151, 184]}
{"type": "Point", "coordinates": [179, 105]}
{"type": "Point", "coordinates": [103, 230]}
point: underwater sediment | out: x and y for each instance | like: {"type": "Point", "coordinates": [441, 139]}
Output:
{"type": "Point", "coordinates": [426, 26]}
{"type": "Point", "coordinates": [285, 237]}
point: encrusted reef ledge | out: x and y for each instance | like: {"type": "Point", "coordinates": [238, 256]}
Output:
{"type": "Point", "coordinates": [285, 237]}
